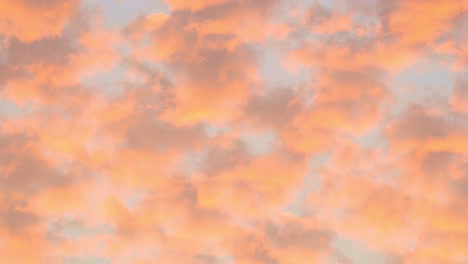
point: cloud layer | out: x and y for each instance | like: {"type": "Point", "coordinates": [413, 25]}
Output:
{"type": "Point", "coordinates": [226, 131]}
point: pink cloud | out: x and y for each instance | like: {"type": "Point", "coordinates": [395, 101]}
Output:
{"type": "Point", "coordinates": [166, 140]}
{"type": "Point", "coordinates": [30, 21]}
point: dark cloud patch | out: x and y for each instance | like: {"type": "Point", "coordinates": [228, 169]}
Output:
{"type": "Point", "coordinates": [356, 95]}
{"type": "Point", "coordinates": [205, 259]}
{"type": "Point", "coordinates": [145, 131]}
{"type": "Point", "coordinates": [67, 98]}
{"type": "Point", "coordinates": [362, 86]}
{"type": "Point", "coordinates": [8, 141]}
{"type": "Point", "coordinates": [203, 61]}
{"type": "Point", "coordinates": [17, 221]}
{"type": "Point", "coordinates": [275, 109]}
{"type": "Point", "coordinates": [218, 159]}
{"type": "Point", "coordinates": [42, 4]}
{"type": "Point", "coordinates": [28, 171]}
{"type": "Point", "coordinates": [461, 185]}
{"type": "Point", "coordinates": [437, 163]}
{"type": "Point", "coordinates": [384, 10]}
{"type": "Point", "coordinates": [364, 78]}
{"type": "Point", "coordinates": [294, 235]}
{"type": "Point", "coordinates": [460, 88]}
{"type": "Point", "coordinates": [417, 124]}
{"type": "Point", "coordinates": [32, 174]}
{"type": "Point", "coordinates": [260, 8]}
{"type": "Point", "coordinates": [9, 72]}
{"type": "Point", "coordinates": [215, 68]}
{"type": "Point", "coordinates": [316, 15]}
{"type": "Point", "coordinates": [51, 51]}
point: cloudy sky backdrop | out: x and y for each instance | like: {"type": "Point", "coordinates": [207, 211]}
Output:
{"type": "Point", "coordinates": [234, 131]}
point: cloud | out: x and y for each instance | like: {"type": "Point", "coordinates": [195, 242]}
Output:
{"type": "Point", "coordinates": [48, 18]}
{"type": "Point", "coordinates": [28, 172]}
{"type": "Point", "coordinates": [418, 126]}
{"type": "Point", "coordinates": [194, 6]}
{"type": "Point", "coordinates": [206, 75]}
{"type": "Point", "coordinates": [274, 109]}
{"type": "Point", "coordinates": [219, 159]}
{"type": "Point", "coordinates": [293, 235]}
{"type": "Point", "coordinates": [460, 95]}
{"type": "Point", "coordinates": [404, 19]}
{"type": "Point", "coordinates": [17, 221]}
{"type": "Point", "coordinates": [176, 138]}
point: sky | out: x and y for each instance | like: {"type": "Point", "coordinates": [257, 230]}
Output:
{"type": "Point", "coordinates": [234, 131]}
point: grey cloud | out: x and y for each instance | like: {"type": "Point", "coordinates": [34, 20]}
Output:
{"type": "Point", "coordinates": [30, 172]}
{"type": "Point", "coordinates": [460, 88]}
{"type": "Point", "coordinates": [437, 163]}
{"type": "Point", "coordinates": [275, 109]}
{"type": "Point", "coordinates": [417, 124]}
{"type": "Point", "coordinates": [219, 159]}
{"type": "Point", "coordinates": [146, 132]}
{"type": "Point", "coordinates": [15, 221]}
{"type": "Point", "coordinates": [41, 4]}
{"type": "Point", "coordinates": [385, 9]}
{"type": "Point", "coordinates": [51, 50]}
{"type": "Point", "coordinates": [205, 259]}
{"type": "Point", "coordinates": [295, 235]}
{"type": "Point", "coordinates": [263, 8]}
{"type": "Point", "coordinates": [317, 15]}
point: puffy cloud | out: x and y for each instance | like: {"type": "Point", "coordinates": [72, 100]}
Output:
{"type": "Point", "coordinates": [420, 129]}
{"type": "Point", "coordinates": [404, 20]}
{"type": "Point", "coordinates": [32, 20]}
{"type": "Point", "coordinates": [206, 74]}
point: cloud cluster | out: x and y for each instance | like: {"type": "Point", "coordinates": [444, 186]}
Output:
{"type": "Point", "coordinates": [234, 131]}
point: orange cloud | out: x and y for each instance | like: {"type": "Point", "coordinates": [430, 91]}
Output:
{"type": "Point", "coordinates": [419, 129]}
{"type": "Point", "coordinates": [30, 21]}
{"type": "Point", "coordinates": [232, 131]}
{"type": "Point", "coordinates": [194, 5]}
{"type": "Point", "coordinates": [417, 23]}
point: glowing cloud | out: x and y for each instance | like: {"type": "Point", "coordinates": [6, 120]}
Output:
{"type": "Point", "coordinates": [233, 131]}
